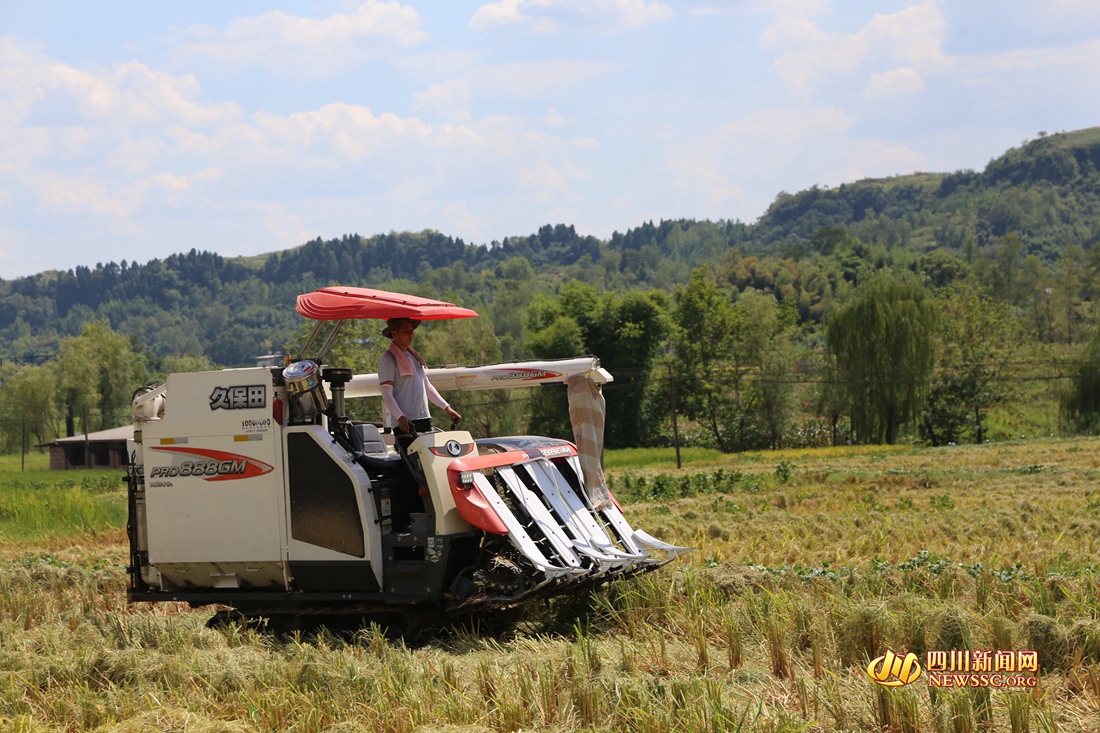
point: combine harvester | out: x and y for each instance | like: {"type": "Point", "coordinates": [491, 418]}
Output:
{"type": "Point", "coordinates": [251, 488]}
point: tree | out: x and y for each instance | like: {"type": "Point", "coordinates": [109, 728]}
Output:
{"type": "Point", "coordinates": [766, 350]}
{"type": "Point", "coordinates": [27, 399]}
{"type": "Point", "coordinates": [562, 338]}
{"type": "Point", "coordinates": [976, 339]}
{"type": "Point", "coordinates": [99, 372]}
{"type": "Point", "coordinates": [882, 341]}
{"type": "Point", "coordinates": [625, 331]}
{"type": "Point", "coordinates": [174, 364]}
{"type": "Point", "coordinates": [514, 286]}
{"type": "Point", "coordinates": [471, 342]}
{"type": "Point", "coordinates": [827, 239]}
{"type": "Point", "coordinates": [78, 383]}
{"type": "Point", "coordinates": [1070, 285]}
{"type": "Point", "coordinates": [1009, 262]}
{"type": "Point", "coordinates": [942, 268]}
{"type": "Point", "coordinates": [1080, 401]}
{"type": "Point", "coordinates": [705, 325]}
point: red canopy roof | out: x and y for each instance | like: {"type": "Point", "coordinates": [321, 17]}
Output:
{"type": "Point", "coordinates": [339, 303]}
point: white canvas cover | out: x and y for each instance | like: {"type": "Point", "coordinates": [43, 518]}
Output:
{"type": "Point", "coordinates": [586, 411]}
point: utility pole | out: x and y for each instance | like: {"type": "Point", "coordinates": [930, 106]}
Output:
{"type": "Point", "coordinates": [87, 448]}
{"type": "Point", "coordinates": [672, 403]}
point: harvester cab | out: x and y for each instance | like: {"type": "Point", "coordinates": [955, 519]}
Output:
{"type": "Point", "coordinates": [253, 489]}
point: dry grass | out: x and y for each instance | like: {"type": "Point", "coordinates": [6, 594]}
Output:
{"type": "Point", "coordinates": [808, 563]}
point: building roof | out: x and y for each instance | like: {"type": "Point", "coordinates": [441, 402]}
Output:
{"type": "Point", "coordinates": [113, 435]}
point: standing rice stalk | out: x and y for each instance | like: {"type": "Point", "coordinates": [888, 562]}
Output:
{"type": "Point", "coordinates": [1019, 711]}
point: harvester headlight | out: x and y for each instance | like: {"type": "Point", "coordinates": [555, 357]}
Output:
{"type": "Point", "coordinates": [466, 479]}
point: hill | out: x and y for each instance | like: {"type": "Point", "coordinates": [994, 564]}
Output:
{"type": "Point", "coordinates": [1045, 191]}
{"type": "Point", "coordinates": [1040, 200]}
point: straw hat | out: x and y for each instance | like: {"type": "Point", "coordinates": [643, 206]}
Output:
{"type": "Point", "coordinates": [393, 323]}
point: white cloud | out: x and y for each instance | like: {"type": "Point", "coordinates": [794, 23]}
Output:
{"type": "Point", "coordinates": [74, 197]}
{"type": "Point", "coordinates": [306, 48]}
{"type": "Point", "coordinates": [549, 16]}
{"type": "Point", "coordinates": [525, 79]}
{"type": "Point", "coordinates": [803, 8]}
{"type": "Point", "coordinates": [344, 131]}
{"type": "Point", "coordinates": [545, 176]}
{"type": "Point", "coordinates": [704, 10]}
{"type": "Point", "coordinates": [506, 13]}
{"type": "Point", "coordinates": [448, 100]}
{"type": "Point", "coordinates": [458, 216]}
{"type": "Point", "coordinates": [624, 202]}
{"type": "Point", "coordinates": [331, 136]}
{"type": "Point", "coordinates": [573, 171]}
{"type": "Point", "coordinates": [172, 188]}
{"type": "Point", "coordinates": [516, 79]}
{"type": "Point", "coordinates": [774, 148]}
{"type": "Point", "coordinates": [88, 197]}
{"type": "Point", "coordinates": [126, 153]}
{"type": "Point", "coordinates": [1079, 59]}
{"type": "Point", "coordinates": [1062, 19]}
{"type": "Point", "coordinates": [283, 228]}
{"type": "Point", "coordinates": [896, 83]}
{"type": "Point", "coordinates": [912, 37]}
{"type": "Point", "coordinates": [553, 118]}
{"type": "Point", "coordinates": [37, 90]}
{"type": "Point", "coordinates": [794, 7]}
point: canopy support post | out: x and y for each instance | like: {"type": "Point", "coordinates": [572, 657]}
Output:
{"type": "Point", "coordinates": [330, 340]}
{"type": "Point", "coordinates": [309, 341]}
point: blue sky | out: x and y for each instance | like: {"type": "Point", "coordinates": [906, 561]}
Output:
{"type": "Point", "coordinates": [134, 130]}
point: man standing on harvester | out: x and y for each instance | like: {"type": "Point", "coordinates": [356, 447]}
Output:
{"type": "Point", "coordinates": [405, 388]}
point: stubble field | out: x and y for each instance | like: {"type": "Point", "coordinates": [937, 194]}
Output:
{"type": "Point", "coordinates": [808, 564]}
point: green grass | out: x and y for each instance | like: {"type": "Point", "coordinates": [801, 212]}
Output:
{"type": "Point", "coordinates": [807, 564]}
{"type": "Point", "coordinates": [29, 462]}
{"type": "Point", "coordinates": [663, 458]}
{"type": "Point", "coordinates": [37, 503]}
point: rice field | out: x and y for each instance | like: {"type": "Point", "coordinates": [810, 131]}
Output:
{"type": "Point", "coordinates": [38, 503]}
{"type": "Point", "coordinates": [808, 564]}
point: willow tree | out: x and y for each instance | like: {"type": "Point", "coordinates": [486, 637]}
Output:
{"type": "Point", "coordinates": [883, 344]}
{"type": "Point", "coordinates": [1081, 397]}
{"type": "Point", "coordinates": [99, 371]}
{"type": "Point", "coordinates": [706, 330]}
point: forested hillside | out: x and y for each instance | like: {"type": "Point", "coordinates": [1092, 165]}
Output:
{"type": "Point", "coordinates": [1016, 238]}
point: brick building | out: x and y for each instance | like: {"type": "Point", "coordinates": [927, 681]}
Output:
{"type": "Point", "coordinates": [103, 449]}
